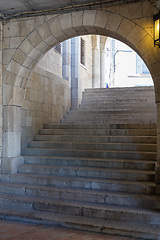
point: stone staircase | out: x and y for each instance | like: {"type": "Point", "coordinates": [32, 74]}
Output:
{"type": "Point", "coordinates": [115, 105]}
{"type": "Point", "coordinates": [89, 175]}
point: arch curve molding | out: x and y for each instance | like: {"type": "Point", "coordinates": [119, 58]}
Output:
{"type": "Point", "coordinates": [45, 32]}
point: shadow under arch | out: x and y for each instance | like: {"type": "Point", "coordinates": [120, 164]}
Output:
{"type": "Point", "coordinates": [54, 30]}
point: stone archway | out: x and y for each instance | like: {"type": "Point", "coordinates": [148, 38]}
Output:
{"type": "Point", "coordinates": [134, 28]}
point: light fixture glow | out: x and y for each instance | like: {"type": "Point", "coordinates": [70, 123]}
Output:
{"type": "Point", "coordinates": [157, 29]}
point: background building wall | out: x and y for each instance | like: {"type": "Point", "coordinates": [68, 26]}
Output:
{"type": "Point", "coordinates": [124, 67]}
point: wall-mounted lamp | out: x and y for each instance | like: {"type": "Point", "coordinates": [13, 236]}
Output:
{"type": "Point", "coordinates": [157, 29]}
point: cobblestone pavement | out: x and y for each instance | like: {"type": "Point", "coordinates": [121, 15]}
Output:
{"type": "Point", "coordinates": [10, 230]}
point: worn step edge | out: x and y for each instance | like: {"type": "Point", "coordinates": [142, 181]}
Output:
{"type": "Point", "coordinates": [111, 227]}
{"type": "Point", "coordinates": [150, 147]}
{"type": "Point", "coordinates": [95, 138]}
{"type": "Point", "coordinates": [98, 126]}
{"type": "Point", "coordinates": [89, 168]}
{"type": "Point", "coordinates": [108, 163]}
{"type": "Point", "coordinates": [81, 208]}
{"type": "Point", "coordinates": [87, 195]}
{"type": "Point", "coordinates": [84, 182]}
{"type": "Point", "coordinates": [90, 153]}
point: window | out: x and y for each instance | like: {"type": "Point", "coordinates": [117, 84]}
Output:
{"type": "Point", "coordinates": [57, 48]}
{"type": "Point", "coordinates": [82, 51]}
{"type": "Point", "coordinates": [141, 67]}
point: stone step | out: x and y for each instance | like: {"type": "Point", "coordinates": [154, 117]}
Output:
{"type": "Point", "coordinates": [109, 116]}
{"type": "Point", "coordinates": [134, 155]}
{"type": "Point", "coordinates": [92, 172]}
{"type": "Point", "coordinates": [99, 139]}
{"type": "Point", "coordinates": [84, 183]}
{"type": "Point", "coordinates": [112, 111]}
{"type": "Point", "coordinates": [87, 195]}
{"type": "Point", "coordinates": [143, 231]}
{"type": "Point", "coordinates": [113, 107]}
{"type": "Point", "coordinates": [116, 120]}
{"type": "Point", "coordinates": [138, 88]}
{"type": "Point", "coordinates": [107, 119]}
{"type": "Point", "coordinates": [119, 102]}
{"type": "Point", "coordinates": [91, 162]}
{"type": "Point", "coordinates": [101, 126]}
{"type": "Point", "coordinates": [119, 90]}
{"type": "Point", "coordinates": [94, 146]}
{"type": "Point", "coordinates": [121, 96]}
{"type": "Point", "coordinates": [83, 209]}
{"type": "Point", "coordinates": [100, 132]}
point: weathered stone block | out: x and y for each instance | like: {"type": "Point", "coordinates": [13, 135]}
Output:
{"type": "Point", "coordinates": [101, 19]}
{"type": "Point", "coordinates": [11, 144]}
{"type": "Point", "coordinates": [77, 19]}
{"type": "Point", "coordinates": [113, 22]}
{"type": "Point", "coordinates": [19, 56]}
{"type": "Point", "coordinates": [12, 118]}
{"type": "Point", "coordinates": [131, 10]}
{"type": "Point", "coordinates": [89, 17]}
{"type": "Point", "coordinates": [12, 29]}
{"type": "Point", "coordinates": [145, 44]}
{"type": "Point", "coordinates": [26, 47]}
{"type": "Point", "coordinates": [39, 20]}
{"type": "Point", "coordinates": [27, 26]}
{"type": "Point", "coordinates": [34, 38]}
{"type": "Point", "coordinates": [125, 27]}
{"type": "Point", "coordinates": [44, 31]}
{"type": "Point", "coordinates": [136, 35]}
{"type": "Point", "coordinates": [9, 165]}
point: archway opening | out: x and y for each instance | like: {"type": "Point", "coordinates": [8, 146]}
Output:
{"type": "Point", "coordinates": [48, 33]}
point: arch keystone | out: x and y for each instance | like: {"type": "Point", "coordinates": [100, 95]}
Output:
{"type": "Point", "coordinates": [89, 17]}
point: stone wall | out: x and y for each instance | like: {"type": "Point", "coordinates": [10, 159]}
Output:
{"type": "Point", "coordinates": [47, 99]}
{"type": "Point", "coordinates": [52, 62]}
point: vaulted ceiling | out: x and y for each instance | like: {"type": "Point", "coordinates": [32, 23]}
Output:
{"type": "Point", "coordinates": [12, 8]}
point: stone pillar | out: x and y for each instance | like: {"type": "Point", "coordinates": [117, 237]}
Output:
{"type": "Point", "coordinates": [95, 61]}
{"type": "Point", "coordinates": [76, 85]}
{"type": "Point", "coordinates": [66, 60]}
{"type": "Point", "coordinates": [102, 61]}
{"type": "Point", "coordinates": [11, 139]}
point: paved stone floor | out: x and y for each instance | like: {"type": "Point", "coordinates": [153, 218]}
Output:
{"type": "Point", "coordinates": [25, 231]}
